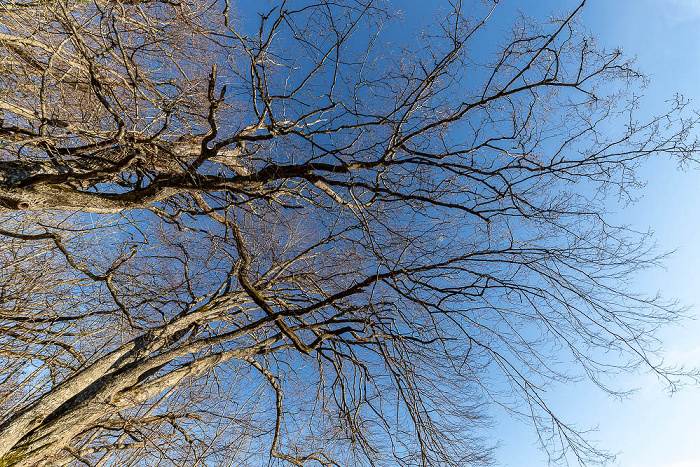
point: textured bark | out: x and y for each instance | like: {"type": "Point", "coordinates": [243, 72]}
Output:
{"type": "Point", "coordinates": [289, 239]}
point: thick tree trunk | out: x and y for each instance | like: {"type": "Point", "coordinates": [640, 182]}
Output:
{"type": "Point", "coordinates": [47, 185]}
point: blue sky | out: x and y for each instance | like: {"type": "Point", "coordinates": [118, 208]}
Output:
{"type": "Point", "coordinates": [650, 428]}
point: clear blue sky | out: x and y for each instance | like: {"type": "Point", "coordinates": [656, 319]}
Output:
{"type": "Point", "coordinates": [649, 429]}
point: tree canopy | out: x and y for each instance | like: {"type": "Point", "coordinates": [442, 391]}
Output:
{"type": "Point", "coordinates": [302, 237]}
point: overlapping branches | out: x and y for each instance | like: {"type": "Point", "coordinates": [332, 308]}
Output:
{"type": "Point", "coordinates": [231, 237]}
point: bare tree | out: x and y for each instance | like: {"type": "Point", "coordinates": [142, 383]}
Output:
{"type": "Point", "coordinates": [232, 240]}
